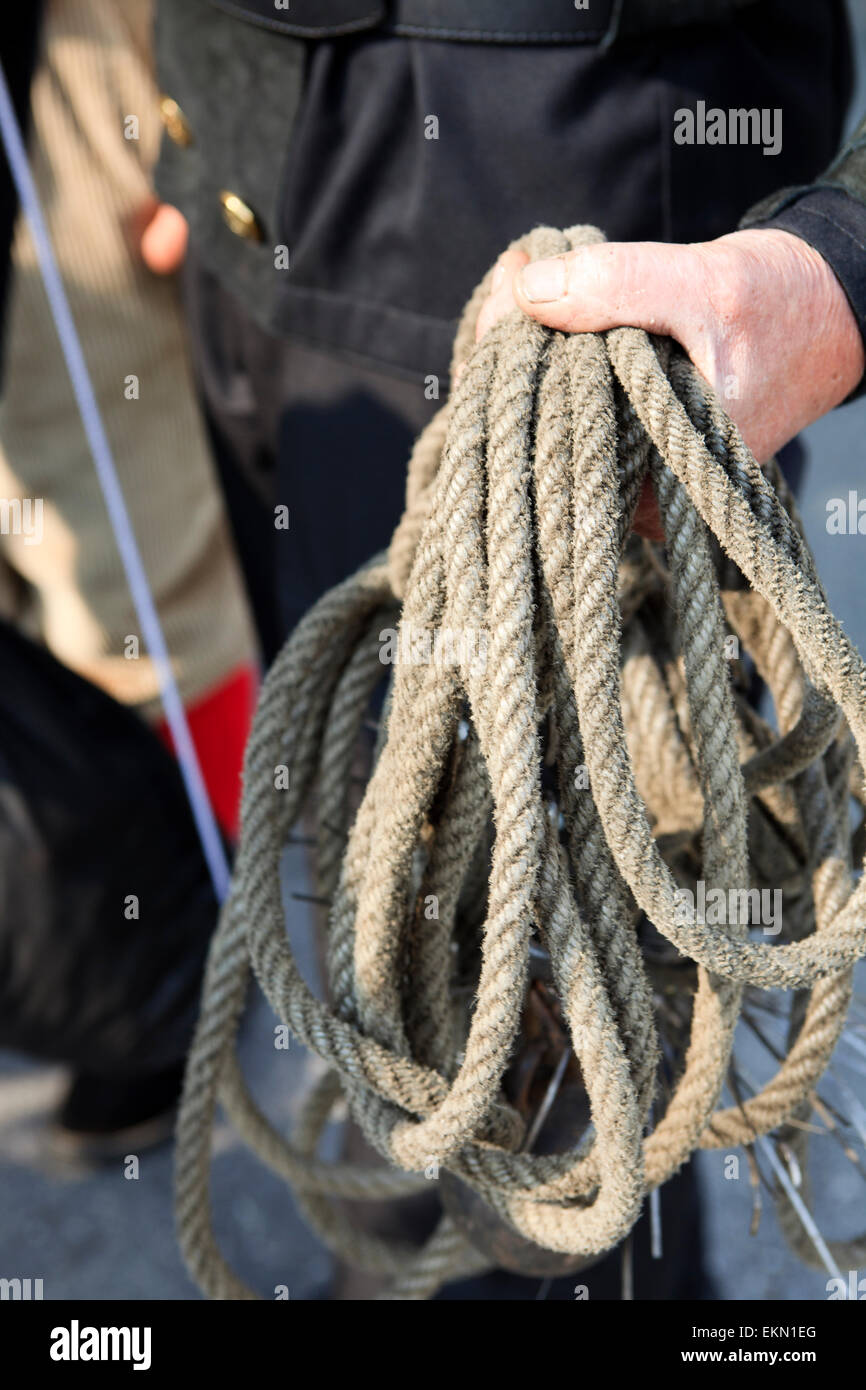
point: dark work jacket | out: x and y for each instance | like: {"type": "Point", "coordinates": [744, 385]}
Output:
{"type": "Point", "coordinates": [386, 171]}
{"type": "Point", "coordinates": [831, 215]}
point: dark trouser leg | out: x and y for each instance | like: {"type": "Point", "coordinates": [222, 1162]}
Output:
{"type": "Point", "coordinates": [346, 433]}
{"type": "Point", "coordinates": [297, 427]}
{"type": "Point", "coordinates": [677, 1275]}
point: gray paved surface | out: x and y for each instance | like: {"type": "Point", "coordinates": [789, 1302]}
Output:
{"type": "Point", "coordinates": [100, 1236]}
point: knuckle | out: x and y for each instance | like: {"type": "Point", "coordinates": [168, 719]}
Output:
{"type": "Point", "coordinates": [726, 288]}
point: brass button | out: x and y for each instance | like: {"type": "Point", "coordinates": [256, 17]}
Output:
{"type": "Point", "coordinates": [239, 217]}
{"type": "Point", "coordinates": [176, 124]}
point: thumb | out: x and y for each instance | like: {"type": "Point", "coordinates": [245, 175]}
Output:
{"type": "Point", "coordinates": [642, 284]}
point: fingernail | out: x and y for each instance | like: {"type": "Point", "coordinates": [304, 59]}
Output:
{"type": "Point", "coordinates": [543, 281]}
{"type": "Point", "coordinates": [498, 277]}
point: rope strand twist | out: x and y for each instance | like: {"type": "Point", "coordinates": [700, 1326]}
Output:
{"type": "Point", "coordinates": [579, 647]}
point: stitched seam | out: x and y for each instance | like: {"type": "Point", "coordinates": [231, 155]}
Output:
{"type": "Point", "coordinates": [278, 26]}
{"type": "Point", "coordinates": [420, 30]}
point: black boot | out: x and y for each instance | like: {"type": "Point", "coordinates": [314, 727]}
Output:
{"type": "Point", "coordinates": [105, 1118]}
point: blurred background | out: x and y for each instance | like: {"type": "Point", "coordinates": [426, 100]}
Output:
{"type": "Point", "coordinates": [90, 1232]}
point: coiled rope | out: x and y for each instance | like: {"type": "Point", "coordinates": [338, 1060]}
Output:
{"type": "Point", "coordinates": [597, 655]}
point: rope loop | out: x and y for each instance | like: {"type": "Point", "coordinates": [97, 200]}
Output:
{"type": "Point", "coordinates": [568, 759]}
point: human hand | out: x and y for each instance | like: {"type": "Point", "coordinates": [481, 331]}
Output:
{"type": "Point", "coordinates": [163, 238]}
{"type": "Point", "coordinates": [760, 314]}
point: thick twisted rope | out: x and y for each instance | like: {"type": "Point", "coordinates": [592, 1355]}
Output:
{"type": "Point", "coordinates": [577, 648]}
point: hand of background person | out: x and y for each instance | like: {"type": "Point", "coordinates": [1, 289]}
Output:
{"type": "Point", "coordinates": [759, 312]}
{"type": "Point", "coordinates": [163, 234]}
